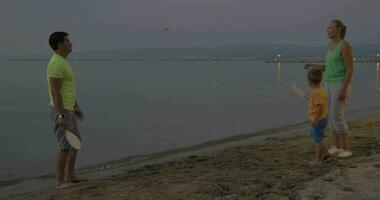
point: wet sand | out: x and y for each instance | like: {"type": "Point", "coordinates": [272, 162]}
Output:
{"type": "Point", "coordinates": [271, 168]}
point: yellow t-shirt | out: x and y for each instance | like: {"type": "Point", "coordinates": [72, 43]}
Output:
{"type": "Point", "coordinates": [318, 97]}
{"type": "Point", "coordinates": [59, 67]}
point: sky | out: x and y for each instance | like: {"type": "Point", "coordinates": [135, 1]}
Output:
{"type": "Point", "coordinates": [124, 24]}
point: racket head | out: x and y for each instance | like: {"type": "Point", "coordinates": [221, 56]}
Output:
{"type": "Point", "coordinates": [297, 91]}
{"type": "Point", "coordinates": [73, 140]}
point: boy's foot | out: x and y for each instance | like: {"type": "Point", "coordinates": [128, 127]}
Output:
{"type": "Point", "coordinates": [344, 154]}
{"type": "Point", "coordinates": [63, 185]}
{"type": "Point", "coordinates": [333, 150]}
{"type": "Point", "coordinates": [327, 156]}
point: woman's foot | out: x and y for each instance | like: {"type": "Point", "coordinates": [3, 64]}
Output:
{"type": "Point", "coordinates": [344, 154]}
{"type": "Point", "coordinates": [333, 150]}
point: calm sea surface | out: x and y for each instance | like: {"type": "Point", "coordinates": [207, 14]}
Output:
{"type": "Point", "coordinates": [137, 108]}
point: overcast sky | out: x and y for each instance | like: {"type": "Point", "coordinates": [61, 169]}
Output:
{"type": "Point", "coordinates": [118, 24]}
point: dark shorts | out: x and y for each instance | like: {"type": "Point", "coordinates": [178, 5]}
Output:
{"type": "Point", "coordinates": [318, 132]}
{"type": "Point", "coordinates": [62, 143]}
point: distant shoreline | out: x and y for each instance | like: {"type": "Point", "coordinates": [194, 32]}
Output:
{"type": "Point", "coordinates": [232, 59]}
{"type": "Point", "coordinates": [229, 52]}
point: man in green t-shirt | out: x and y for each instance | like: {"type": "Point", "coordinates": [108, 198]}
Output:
{"type": "Point", "coordinates": [64, 109]}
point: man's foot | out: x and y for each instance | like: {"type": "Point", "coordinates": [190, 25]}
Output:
{"type": "Point", "coordinates": [333, 150]}
{"type": "Point", "coordinates": [63, 185]}
{"type": "Point", "coordinates": [344, 154]}
{"type": "Point", "coordinates": [77, 180]}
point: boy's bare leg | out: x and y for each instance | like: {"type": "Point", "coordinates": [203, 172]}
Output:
{"type": "Point", "coordinates": [317, 160]}
{"type": "Point", "coordinates": [323, 150]}
{"type": "Point", "coordinates": [321, 153]}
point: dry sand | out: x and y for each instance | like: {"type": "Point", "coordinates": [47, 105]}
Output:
{"type": "Point", "coordinates": [275, 168]}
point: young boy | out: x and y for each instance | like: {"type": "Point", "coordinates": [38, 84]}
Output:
{"type": "Point", "coordinates": [318, 110]}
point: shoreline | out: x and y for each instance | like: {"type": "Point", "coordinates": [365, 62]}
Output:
{"type": "Point", "coordinates": [119, 167]}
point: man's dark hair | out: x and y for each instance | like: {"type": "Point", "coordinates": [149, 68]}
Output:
{"type": "Point", "coordinates": [56, 38]}
{"type": "Point", "coordinates": [315, 75]}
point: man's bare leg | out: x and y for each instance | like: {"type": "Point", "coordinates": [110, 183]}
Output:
{"type": "Point", "coordinates": [71, 158]}
{"type": "Point", "coordinates": [60, 168]}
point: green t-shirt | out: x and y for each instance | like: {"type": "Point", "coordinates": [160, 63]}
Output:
{"type": "Point", "coordinates": [59, 67]}
{"type": "Point", "coordinates": [335, 67]}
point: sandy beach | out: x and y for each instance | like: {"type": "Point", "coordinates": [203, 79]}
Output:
{"type": "Point", "coordinates": [272, 168]}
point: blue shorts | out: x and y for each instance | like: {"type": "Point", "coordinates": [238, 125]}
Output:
{"type": "Point", "coordinates": [318, 132]}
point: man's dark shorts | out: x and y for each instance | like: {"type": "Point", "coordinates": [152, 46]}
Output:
{"type": "Point", "coordinates": [62, 143]}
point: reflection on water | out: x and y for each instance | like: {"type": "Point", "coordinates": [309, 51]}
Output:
{"type": "Point", "coordinates": [279, 72]}
{"type": "Point", "coordinates": [278, 79]}
{"type": "Point", "coordinates": [377, 82]}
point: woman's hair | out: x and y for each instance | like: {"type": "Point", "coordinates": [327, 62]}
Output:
{"type": "Point", "coordinates": [315, 75]}
{"type": "Point", "coordinates": [342, 28]}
